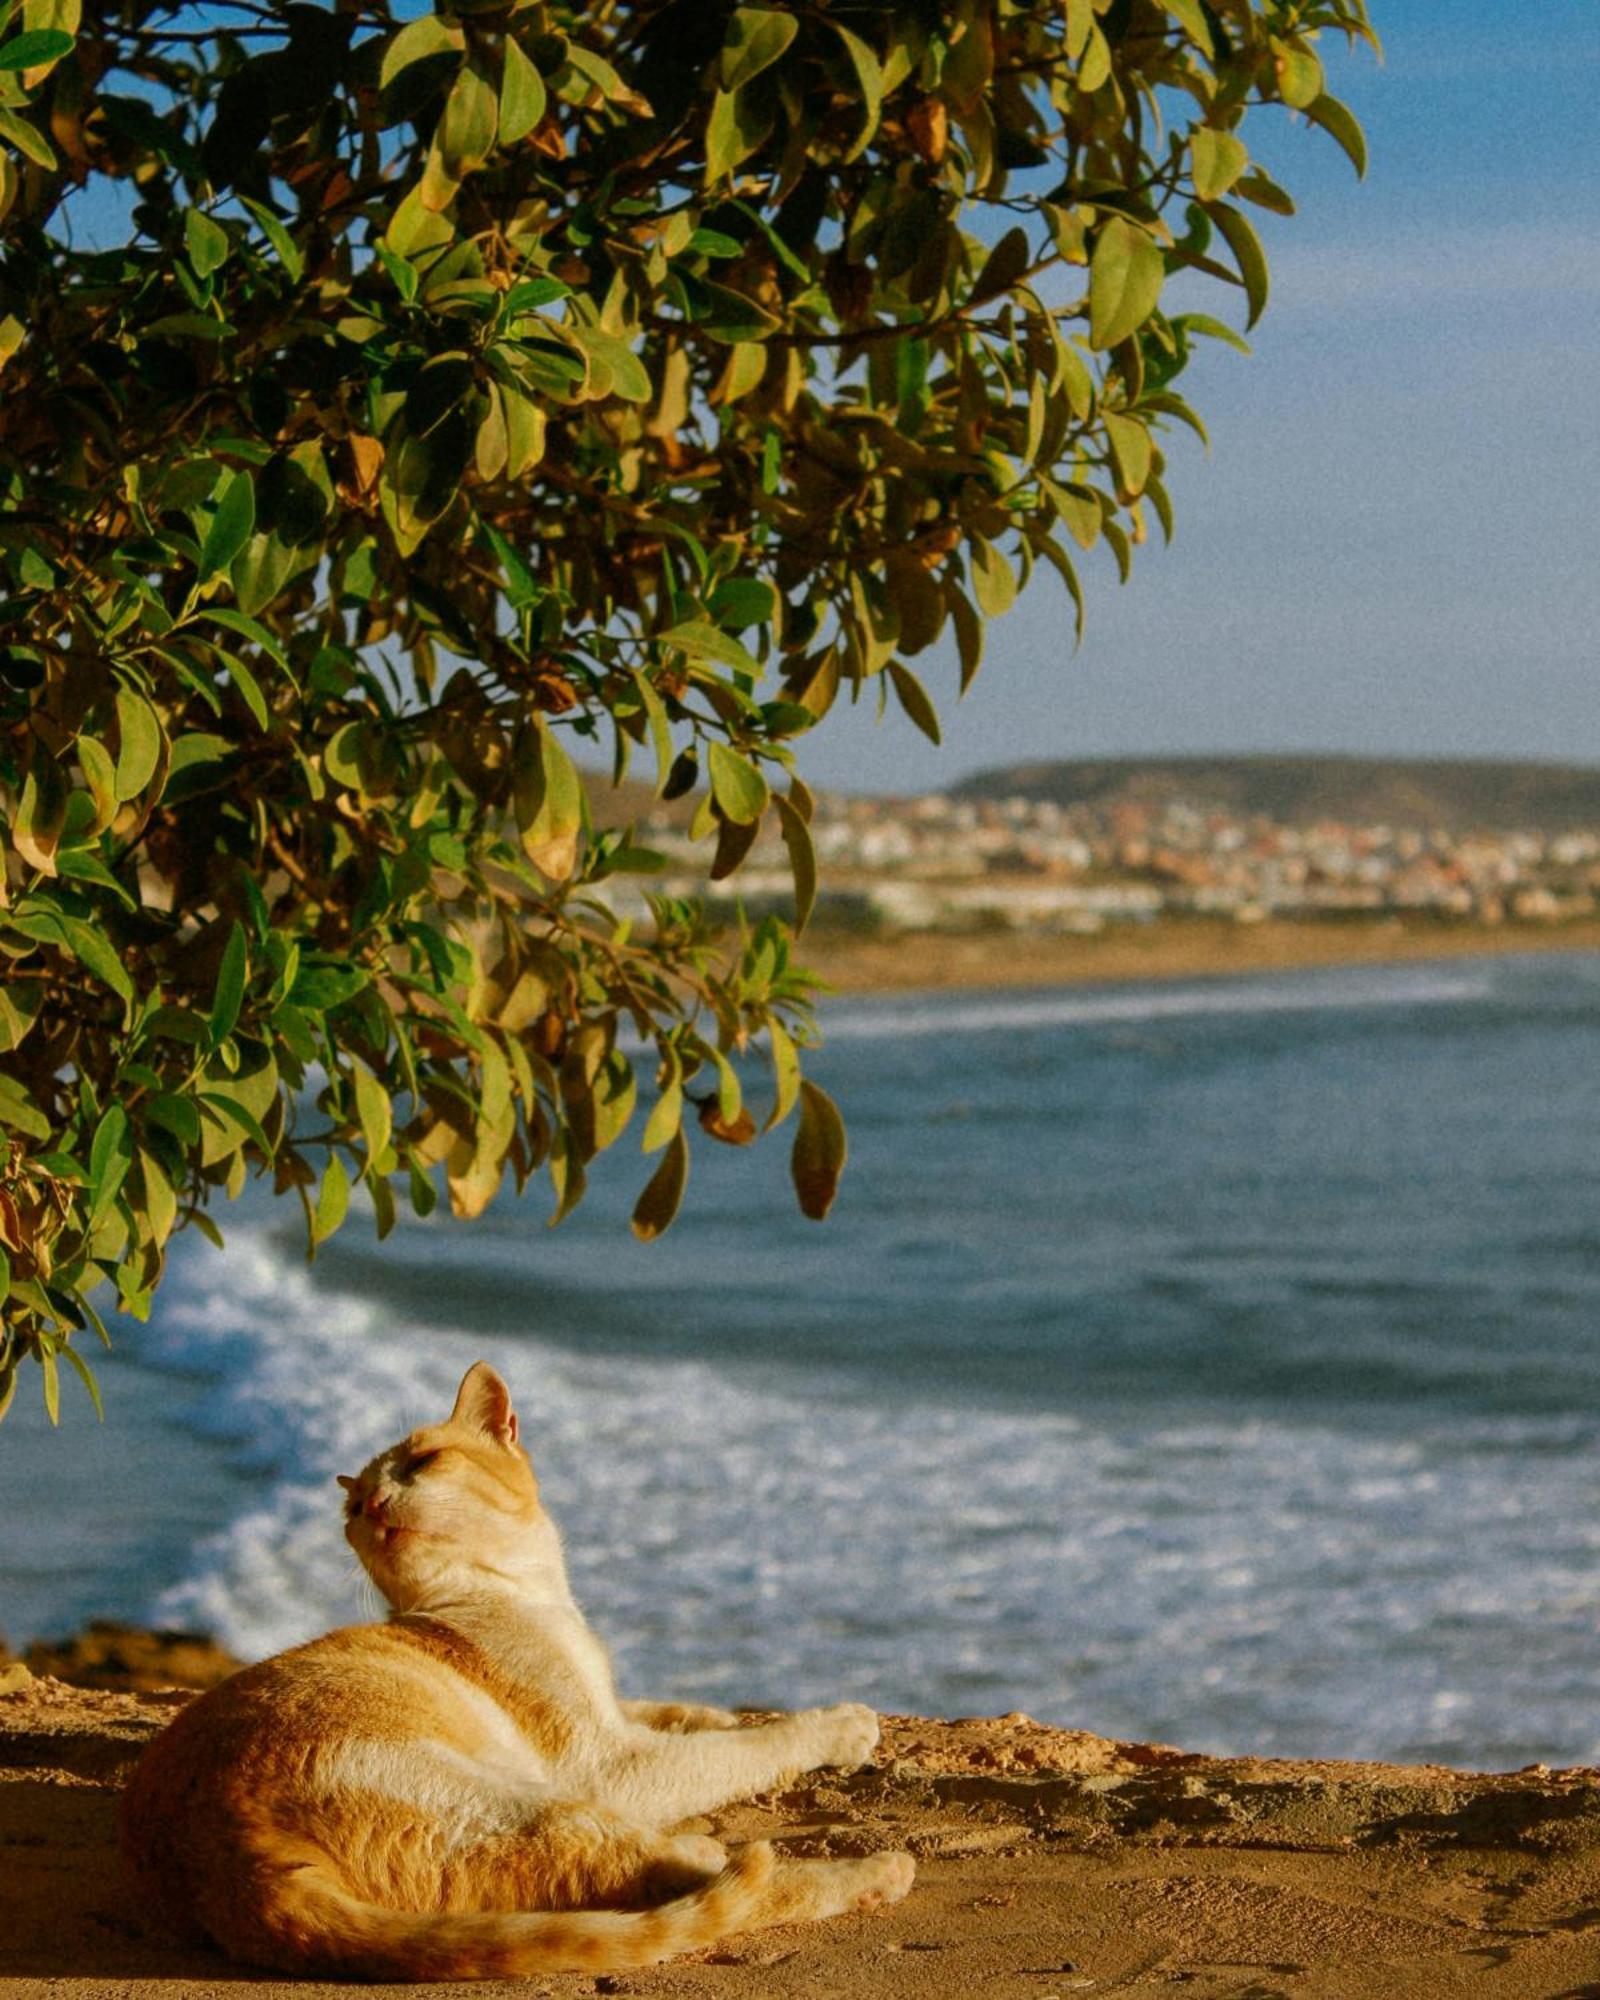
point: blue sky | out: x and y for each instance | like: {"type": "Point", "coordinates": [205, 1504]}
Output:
{"type": "Point", "coordinates": [1391, 546]}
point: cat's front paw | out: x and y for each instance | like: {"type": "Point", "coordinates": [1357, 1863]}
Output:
{"type": "Point", "coordinates": [848, 1734]}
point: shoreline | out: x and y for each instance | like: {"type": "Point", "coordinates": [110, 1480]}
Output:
{"type": "Point", "coordinates": [1188, 948]}
{"type": "Point", "coordinates": [1050, 1861]}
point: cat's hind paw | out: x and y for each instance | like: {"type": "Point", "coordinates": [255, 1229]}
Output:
{"type": "Point", "coordinates": [886, 1878]}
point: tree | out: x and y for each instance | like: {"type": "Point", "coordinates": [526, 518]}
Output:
{"type": "Point", "coordinates": [390, 406]}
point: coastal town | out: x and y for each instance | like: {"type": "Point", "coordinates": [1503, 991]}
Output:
{"type": "Point", "coordinates": [948, 862]}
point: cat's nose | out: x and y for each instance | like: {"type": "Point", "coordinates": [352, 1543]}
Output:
{"type": "Point", "coordinates": [375, 1505]}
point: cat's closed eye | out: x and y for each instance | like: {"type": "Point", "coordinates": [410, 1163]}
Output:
{"type": "Point", "coordinates": [419, 1459]}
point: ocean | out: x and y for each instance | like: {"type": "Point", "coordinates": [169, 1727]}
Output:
{"type": "Point", "coordinates": [1214, 1363]}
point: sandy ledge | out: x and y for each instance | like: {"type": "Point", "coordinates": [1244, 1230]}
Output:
{"type": "Point", "coordinates": [1187, 948]}
{"type": "Point", "coordinates": [1051, 1863]}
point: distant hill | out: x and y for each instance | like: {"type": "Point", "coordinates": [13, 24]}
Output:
{"type": "Point", "coordinates": [1454, 793]}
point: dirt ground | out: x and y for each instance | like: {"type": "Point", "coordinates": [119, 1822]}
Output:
{"type": "Point", "coordinates": [1050, 1864]}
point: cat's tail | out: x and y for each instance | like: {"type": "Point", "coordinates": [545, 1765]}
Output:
{"type": "Point", "coordinates": [310, 1923]}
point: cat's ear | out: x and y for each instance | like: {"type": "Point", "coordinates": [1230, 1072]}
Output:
{"type": "Point", "coordinates": [483, 1403]}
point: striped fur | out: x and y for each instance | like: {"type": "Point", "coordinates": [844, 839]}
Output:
{"type": "Point", "coordinates": [459, 1793]}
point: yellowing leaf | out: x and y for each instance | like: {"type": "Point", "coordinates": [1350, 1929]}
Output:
{"type": "Point", "coordinates": [1125, 278]}
{"type": "Point", "coordinates": [1218, 159]}
{"type": "Point", "coordinates": [333, 1201]}
{"type": "Point", "coordinates": [41, 811]}
{"type": "Point", "coordinates": [373, 1111]}
{"type": "Point", "coordinates": [548, 801]}
{"type": "Point", "coordinates": [1131, 452]}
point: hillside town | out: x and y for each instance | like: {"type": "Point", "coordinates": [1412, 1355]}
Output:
{"type": "Point", "coordinates": [948, 862]}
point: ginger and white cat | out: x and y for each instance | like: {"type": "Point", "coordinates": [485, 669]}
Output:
{"type": "Point", "coordinates": [459, 1793]}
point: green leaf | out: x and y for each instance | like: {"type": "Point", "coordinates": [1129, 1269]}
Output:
{"type": "Point", "coordinates": [1248, 254]}
{"type": "Point", "coordinates": [820, 1151]}
{"type": "Point", "coordinates": [1342, 127]}
{"type": "Point", "coordinates": [913, 697]}
{"type": "Point", "coordinates": [85, 1375]}
{"type": "Point", "coordinates": [703, 641]}
{"type": "Point", "coordinates": [110, 1157]}
{"type": "Point", "coordinates": [743, 601]}
{"type": "Point", "coordinates": [994, 582]}
{"type": "Point", "coordinates": [319, 987]}
{"type": "Point", "coordinates": [18, 1110]}
{"type": "Point", "coordinates": [278, 236]}
{"type": "Point", "coordinates": [1213, 329]}
{"type": "Point", "coordinates": [785, 1073]}
{"type": "Point", "coordinates": [373, 1111]}
{"type": "Point", "coordinates": [663, 1194]}
{"type": "Point", "coordinates": [34, 49]}
{"type": "Point", "coordinates": [231, 526]}
{"type": "Point", "coordinates": [732, 317]}
{"type": "Point", "coordinates": [522, 95]}
{"type": "Point", "coordinates": [1190, 15]}
{"type": "Point", "coordinates": [755, 39]}
{"type": "Point", "coordinates": [466, 133]}
{"type": "Point", "coordinates": [207, 242]}
{"type": "Point", "coordinates": [141, 737]}
{"type": "Point", "coordinates": [1002, 268]}
{"type": "Point", "coordinates": [28, 139]}
{"type": "Point", "coordinates": [20, 1002]}
{"type": "Point", "coordinates": [47, 1358]}
{"type": "Point", "coordinates": [1125, 279]}
{"type": "Point", "coordinates": [736, 785]}
{"type": "Point", "coordinates": [249, 688]}
{"type": "Point", "coordinates": [174, 1114]}
{"type": "Point", "coordinates": [416, 42]}
{"type": "Point", "coordinates": [732, 134]}
{"type": "Point", "coordinates": [90, 946]}
{"type": "Point", "coordinates": [100, 775]}
{"type": "Point", "coordinates": [802, 859]}
{"type": "Point", "coordinates": [333, 1201]}
{"type": "Point", "coordinates": [1217, 160]}
{"type": "Point", "coordinates": [869, 80]}
{"type": "Point", "coordinates": [231, 976]}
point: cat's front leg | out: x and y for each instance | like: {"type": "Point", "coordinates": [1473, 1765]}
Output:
{"type": "Point", "coordinates": [670, 1777]}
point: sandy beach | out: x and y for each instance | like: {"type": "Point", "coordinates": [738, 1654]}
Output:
{"type": "Point", "coordinates": [1195, 948]}
{"type": "Point", "coordinates": [1050, 1863]}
